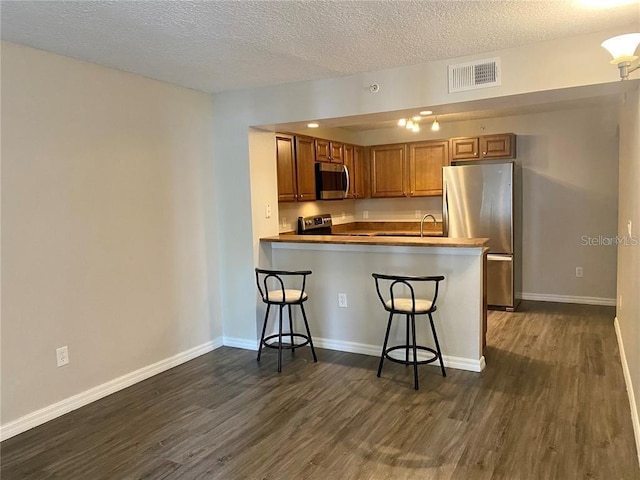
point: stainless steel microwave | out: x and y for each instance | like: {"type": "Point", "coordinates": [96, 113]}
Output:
{"type": "Point", "coordinates": [332, 181]}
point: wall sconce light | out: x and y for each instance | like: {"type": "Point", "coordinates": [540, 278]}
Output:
{"type": "Point", "coordinates": [622, 48]}
{"type": "Point", "coordinates": [435, 126]}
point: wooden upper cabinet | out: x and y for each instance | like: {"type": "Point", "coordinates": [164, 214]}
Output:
{"type": "Point", "coordinates": [305, 168]}
{"type": "Point", "coordinates": [426, 160]}
{"type": "Point", "coordinates": [498, 146]}
{"type": "Point", "coordinates": [336, 152]}
{"type": "Point", "coordinates": [328, 151]}
{"type": "Point", "coordinates": [286, 166]}
{"type": "Point", "coordinates": [354, 160]}
{"type": "Point", "coordinates": [323, 152]}
{"type": "Point", "coordinates": [465, 148]}
{"type": "Point", "coordinates": [501, 146]}
{"type": "Point", "coordinates": [389, 171]}
{"type": "Point", "coordinates": [360, 175]}
{"type": "Point", "coordinates": [349, 162]}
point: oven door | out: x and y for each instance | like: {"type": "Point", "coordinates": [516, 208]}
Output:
{"type": "Point", "coordinates": [332, 181]}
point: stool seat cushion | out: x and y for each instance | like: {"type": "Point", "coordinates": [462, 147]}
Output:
{"type": "Point", "coordinates": [290, 296]}
{"type": "Point", "coordinates": [405, 305]}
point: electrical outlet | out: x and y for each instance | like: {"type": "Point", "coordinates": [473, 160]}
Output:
{"type": "Point", "coordinates": [579, 272]}
{"type": "Point", "coordinates": [342, 300]}
{"type": "Point", "coordinates": [365, 214]}
{"type": "Point", "coordinates": [629, 227]}
{"type": "Point", "coordinates": [267, 211]}
{"type": "Point", "coordinates": [284, 221]}
{"type": "Point", "coordinates": [62, 355]}
{"type": "Point", "coordinates": [418, 214]}
{"type": "Point", "coordinates": [344, 215]}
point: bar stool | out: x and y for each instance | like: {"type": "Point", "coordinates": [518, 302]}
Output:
{"type": "Point", "coordinates": [409, 306]}
{"type": "Point", "coordinates": [281, 296]}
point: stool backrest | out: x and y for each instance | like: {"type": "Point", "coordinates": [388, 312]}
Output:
{"type": "Point", "coordinates": [399, 282]}
{"type": "Point", "coordinates": [280, 280]}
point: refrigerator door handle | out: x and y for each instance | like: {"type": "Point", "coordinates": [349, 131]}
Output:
{"type": "Point", "coordinates": [445, 210]}
{"type": "Point", "coordinates": [499, 258]}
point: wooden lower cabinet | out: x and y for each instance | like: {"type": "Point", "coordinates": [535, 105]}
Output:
{"type": "Point", "coordinates": [426, 160]}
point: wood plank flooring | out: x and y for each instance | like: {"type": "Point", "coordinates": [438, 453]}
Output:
{"type": "Point", "coordinates": [551, 404]}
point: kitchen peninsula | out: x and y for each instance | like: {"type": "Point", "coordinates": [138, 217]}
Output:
{"type": "Point", "coordinates": [344, 264]}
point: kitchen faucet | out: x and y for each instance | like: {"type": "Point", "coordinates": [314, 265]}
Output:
{"type": "Point", "coordinates": [422, 223]}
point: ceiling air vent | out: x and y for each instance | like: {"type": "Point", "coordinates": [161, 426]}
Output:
{"type": "Point", "coordinates": [473, 75]}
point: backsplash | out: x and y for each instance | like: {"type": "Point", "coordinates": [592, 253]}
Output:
{"type": "Point", "coordinates": [398, 209]}
{"type": "Point", "coordinates": [348, 211]}
{"type": "Point", "coordinates": [342, 211]}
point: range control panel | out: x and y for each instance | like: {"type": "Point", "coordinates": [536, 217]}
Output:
{"type": "Point", "coordinates": [315, 222]}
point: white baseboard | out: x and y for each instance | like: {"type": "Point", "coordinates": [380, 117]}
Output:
{"type": "Point", "coordinates": [544, 297]}
{"type": "Point", "coordinates": [627, 380]}
{"type": "Point", "coordinates": [240, 343]}
{"type": "Point", "coordinates": [67, 405]}
{"type": "Point", "coordinates": [459, 363]}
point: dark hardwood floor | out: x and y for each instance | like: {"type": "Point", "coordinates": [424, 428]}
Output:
{"type": "Point", "coordinates": [551, 404]}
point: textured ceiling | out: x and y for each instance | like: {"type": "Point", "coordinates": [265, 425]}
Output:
{"type": "Point", "coordinates": [226, 45]}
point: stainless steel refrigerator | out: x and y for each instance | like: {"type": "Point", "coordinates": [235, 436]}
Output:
{"type": "Point", "coordinates": [482, 200]}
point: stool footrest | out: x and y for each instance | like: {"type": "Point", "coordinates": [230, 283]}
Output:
{"type": "Point", "coordinates": [285, 346]}
{"type": "Point", "coordinates": [410, 347]}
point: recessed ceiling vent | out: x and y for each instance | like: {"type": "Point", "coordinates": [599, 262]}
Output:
{"type": "Point", "coordinates": [474, 75]}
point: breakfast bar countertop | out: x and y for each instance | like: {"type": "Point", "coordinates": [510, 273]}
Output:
{"type": "Point", "coordinates": [401, 240]}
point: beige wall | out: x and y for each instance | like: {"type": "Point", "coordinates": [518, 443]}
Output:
{"type": "Point", "coordinates": [628, 311]}
{"type": "Point", "coordinates": [108, 233]}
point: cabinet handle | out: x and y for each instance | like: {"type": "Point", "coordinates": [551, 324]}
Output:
{"type": "Point", "coordinates": [475, 154]}
{"type": "Point", "coordinates": [301, 196]}
{"type": "Point", "coordinates": [484, 153]}
{"type": "Point", "coordinates": [295, 196]}
{"type": "Point", "coordinates": [411, 192]}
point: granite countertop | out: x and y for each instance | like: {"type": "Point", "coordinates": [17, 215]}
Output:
{"type": "Point", "coordinates": [401, 240]}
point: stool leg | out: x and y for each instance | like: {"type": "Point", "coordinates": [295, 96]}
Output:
{"type": "Point", "coordinates": [280, 339]}
{"type": "Point", "coordinates": [406, 353]}
{"type": "Point", "coordinates": [384, 345]}
{"type": "Point", "coordinates": [435, 338]}
{"type": "Point", "coordinates": [293, 350]}
{"type": "Point", "coordinates": [306, 325]}
{"type": "Point", "coordinates": [415, 352]}
{"type": "Point", "coordinates": [264, 329]}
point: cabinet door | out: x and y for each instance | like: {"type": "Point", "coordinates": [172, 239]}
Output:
{"type": "Point", "coordinates": [465, 148]}
{"type": "Point", "coordinates": [349, 162]}
{"type": "Point", "coordinates": [388, 171]}
{"type": "Point", "coordinates": [498, 146]}
{"type": "Point", "coordinates": [335, 148]}
{"type": "Point", "coordinates": [360, 173]}
{"type": "Point", "coordinates": [286, 165]}
{"type": "Point", "coordinates": [305, 168]}
{"type": "Point", "coordinates": [426, 160]}
{"type": "Point", "coordinates": [323, 151]}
